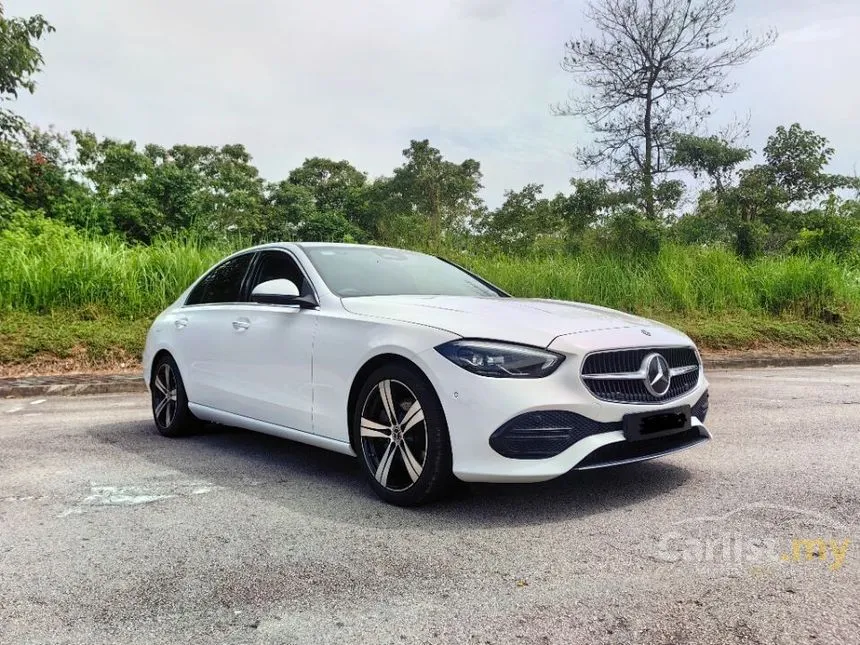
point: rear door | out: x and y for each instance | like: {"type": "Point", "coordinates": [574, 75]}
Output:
{"type": "Point", "coordinates": [270, 362]}
{"type": "Point", "coordinates": [205, 336]}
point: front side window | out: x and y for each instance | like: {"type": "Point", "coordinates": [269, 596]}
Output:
{"type": "Point", "coordinates": [276, 265]}
{"type": "Point", "coordinates": [223, 283]}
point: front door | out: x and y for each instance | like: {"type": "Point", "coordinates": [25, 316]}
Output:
{"type": "Point", "coordinates": [271, 354]}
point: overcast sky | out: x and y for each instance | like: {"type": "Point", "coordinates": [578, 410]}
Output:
{"type": "Point", "coordinates": [357, 79]}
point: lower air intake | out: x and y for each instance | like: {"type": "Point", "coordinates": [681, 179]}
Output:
{"type": "Point", "coordinates": [544, 434]}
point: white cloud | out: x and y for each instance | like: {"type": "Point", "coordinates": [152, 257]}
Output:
{"type": "Point", "coordinates": [357, 80]}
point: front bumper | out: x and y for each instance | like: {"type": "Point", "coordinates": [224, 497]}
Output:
{"type": "Point", "coordinates": [476, 407]}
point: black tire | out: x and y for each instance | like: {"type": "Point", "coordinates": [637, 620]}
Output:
{"type": "Point", "coordinates": [401, 445]}
{"type": "Point", "coordinates": [169, 401]}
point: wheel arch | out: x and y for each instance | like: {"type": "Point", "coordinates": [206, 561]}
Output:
{"type": "Point", "coordinates": [370, 366]}
{"type": "Point", "coordinates": [156, 358]}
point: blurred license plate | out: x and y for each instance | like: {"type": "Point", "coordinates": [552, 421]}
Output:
{"type": "Point", "coordinates": [647, 425]}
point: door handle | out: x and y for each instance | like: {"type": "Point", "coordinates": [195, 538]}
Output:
{"type": "Point", "coordinates": [242, 324]}
{"type": "Point", "coordinates": [181, 323]}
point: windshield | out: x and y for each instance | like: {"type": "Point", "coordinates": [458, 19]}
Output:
{"type": "Point", "coordinates": [371, 271]}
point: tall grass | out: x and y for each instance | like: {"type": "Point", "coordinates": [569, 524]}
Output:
{"type": "Point", "coordinates": [55, 268]}
{"type": "Point", "coordinates": [60, 269]}
{"type": "Point", "coordinates": [682, 279]}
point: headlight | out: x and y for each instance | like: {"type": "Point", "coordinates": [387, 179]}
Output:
{"type": "Point", "coordinates": [500, 360]}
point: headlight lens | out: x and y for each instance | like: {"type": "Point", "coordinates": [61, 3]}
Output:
{"type": "Point", "coordinates": [500, 360]}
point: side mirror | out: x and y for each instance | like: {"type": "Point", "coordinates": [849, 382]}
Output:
{"type": "Point", "coordinates": [281, 292]}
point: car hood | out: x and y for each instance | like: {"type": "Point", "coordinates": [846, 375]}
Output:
{"type": "Point", "coordinates": [528, 321]}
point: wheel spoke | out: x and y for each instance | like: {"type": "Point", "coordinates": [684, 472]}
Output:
{"type": "Point", "coordinates": [162, 405]}
{"type": "Point", "coordinates": [395, 463]}
{"type": "Point", "coordinates": [160, 386]}
{"type": "Point", "coordinates": [374, 430]}
{"type": "Point", "coordinates": [412, 465]}
{"type": "Point", "coordinates": [168, 413]}
{"type": "Point", "coordinates": [413, 416]}
{"type": "Point", "coordinates": [385, 465]}
{"type": "Point", "coordinates": [387, 401]}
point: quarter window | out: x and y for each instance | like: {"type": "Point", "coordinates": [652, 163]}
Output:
{"type": "Point", "coordinates": [223, 283]}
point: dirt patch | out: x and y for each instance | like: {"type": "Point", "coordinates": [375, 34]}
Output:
{"type": "Point", "coordinates": [45, 364]}
{"type": "Point", "coordinates": [771, 357]}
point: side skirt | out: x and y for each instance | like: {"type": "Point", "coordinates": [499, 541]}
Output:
{"type": "Point", "coordinates": [206, 413]}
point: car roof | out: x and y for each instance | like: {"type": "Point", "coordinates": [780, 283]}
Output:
{"type": "Point", "coordinates": [310, 245]}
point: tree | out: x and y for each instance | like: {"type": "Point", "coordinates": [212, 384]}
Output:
{"type": "Point", "coordinates": [337, 187]}
{"type": "Point", "coordinates": [332, 183]}
{"type": "Point", "coordinates": [289, 206]}
{"type": "Point", "coordinates": [581, 209]}
{"type": "Point", "coordinates": [33, 168]}
{"type": "Point", "coordinates": [20, 59]}
{"type": "Point", "coordinates": [769, 204]}
{"type": "Point", "coordinates": [711, 155]}
{"type": "Point", "coordinates": [645, 77]}
{"type": "Point", "coordinates": [443, 193]}
{"type": "Point", "coordinates": [793, 173]}
{"type": "Point", "coordinates": [522, 218]}
{"type": "Point", "coordinates": [216, 191]}
{"type": "Point", "coordinates": [329, 227]}
{"type": "Point", "coordinates": [796, 159]}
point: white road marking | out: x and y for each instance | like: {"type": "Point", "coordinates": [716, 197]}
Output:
{"type": "Point", "coordinates": [38, 401]}
{"type": "Point", "coordinates": [136, 495]}
{"type": "Point", "coordinates": [11, 410]}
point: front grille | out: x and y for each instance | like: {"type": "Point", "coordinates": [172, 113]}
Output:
{"type": "Point", "coordinates": [630, 360]}
{"type": "Point", "coordinates": [544, 434]}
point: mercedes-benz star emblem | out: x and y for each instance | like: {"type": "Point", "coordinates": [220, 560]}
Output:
{"type": "Point", "coordinates": [657, 376]}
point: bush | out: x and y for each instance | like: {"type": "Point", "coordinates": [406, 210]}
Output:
{"type": "Point", "coordinates": [627, 232]}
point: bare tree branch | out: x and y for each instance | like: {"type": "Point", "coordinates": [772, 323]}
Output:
{"type": "Point", "coordinates": [646, 74]}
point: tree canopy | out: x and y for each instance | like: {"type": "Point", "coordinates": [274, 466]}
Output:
{"type": "Point", "coordinates": [643, 74]}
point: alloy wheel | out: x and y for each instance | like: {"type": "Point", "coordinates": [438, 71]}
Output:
{"type": "Point", "coordinates": [164, 401]}
{"type": "Point", "coordinates": [394, 435]}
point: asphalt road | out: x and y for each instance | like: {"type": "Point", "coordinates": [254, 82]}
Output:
{"type": "Point", "coordinates": [110, 533]}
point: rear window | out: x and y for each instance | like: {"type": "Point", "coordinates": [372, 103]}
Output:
{"type": "Point", "coordinates": [223, 283]}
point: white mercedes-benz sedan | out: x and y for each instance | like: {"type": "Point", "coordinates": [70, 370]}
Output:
{"type": "Point", "coordinates": [425, 371]}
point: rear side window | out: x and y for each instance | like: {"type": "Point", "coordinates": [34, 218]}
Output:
{"type": "Point", "coordinates": [223, 283]}
{"type": "Point", "coordinates": [274, 265]}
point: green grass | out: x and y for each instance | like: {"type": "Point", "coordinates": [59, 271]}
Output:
{"type": "Point", "coordinates": [684, 280]}
{"type": "Point", "coordinates": [89, 299]}
{"type": "Point", "coordinates": [59, 269]}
